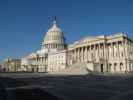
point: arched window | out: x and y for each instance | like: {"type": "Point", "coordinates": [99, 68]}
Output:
{"type": "Point", "coordinates": [102, 68]}
{"type": "Point", "coordinates": [121, 65]}
{"type": "Point", "coordinates": [130, 67]}
{"type": "Point", "coordinates": [115, 64]}
{"type": "Point", "coordinates": [109, 67]}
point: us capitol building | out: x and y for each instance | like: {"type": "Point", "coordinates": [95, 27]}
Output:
{"type": "Point", "coordinates": [112, 54]}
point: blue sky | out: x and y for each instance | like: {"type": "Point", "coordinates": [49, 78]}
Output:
{"type": "Point", "coordinates": [23, 23]}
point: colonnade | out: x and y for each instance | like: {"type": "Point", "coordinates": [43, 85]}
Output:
{"type": "Point", "coordinates": [38, 64]}
{"type": "Point", "coordinates": [108, 54]}
{"type": "Point", "coordinates": [52, 46]}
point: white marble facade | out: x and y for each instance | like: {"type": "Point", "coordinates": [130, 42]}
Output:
{"type": "Point", "coordinates": [112, 54]}
{"type": "Point", "coordinates": [57, 61]}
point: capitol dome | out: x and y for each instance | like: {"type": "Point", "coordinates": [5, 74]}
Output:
{"type": "Point", "coordinates": [54, 38]}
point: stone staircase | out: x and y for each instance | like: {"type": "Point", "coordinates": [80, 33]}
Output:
{"type": "Point", "coordinates": [75, 69]}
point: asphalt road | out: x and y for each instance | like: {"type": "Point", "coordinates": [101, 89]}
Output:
{"type": "Point", "coordinates": [41, 86]}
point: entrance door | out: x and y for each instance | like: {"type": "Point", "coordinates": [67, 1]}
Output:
{"type": "Point", "coordinates": [102, 68]}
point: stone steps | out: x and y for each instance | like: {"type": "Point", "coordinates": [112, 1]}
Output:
{"type": "Point", "coordinates": [75, 69]}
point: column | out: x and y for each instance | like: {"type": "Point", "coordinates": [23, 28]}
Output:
{"type": "Point", "coordinates": [123, 47]}
{"type": "Point", "coordinates": [105, 56]}
{"type": "Point", "coordinates": [85, 54]}
{"type": "Point", "coordinates": [88, 53]}
{"type": "Point", "coordinates": [94, 51]}
{"type": "Point", "coordinates": [126, 54]}
{"type": "Point", "coordinates": [49, 45]}
{"type": "Point", "coordinates": [118, 50]}
{"type": "Point", "coordinates": [78, 54]}
{"type": "Point", "coordinates": [74, 55]}
{"type": "Point", "coordinates": [107, 48]}
{"type": "Point", "coordinates": [81, 54]}
{"type": "Point", "coordinates": [99, 51]}
{"type": "Point", "coordinates": [112, 46]}
{"type": "Point", "coordinates": [91, 53]}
